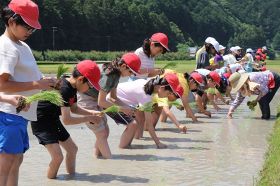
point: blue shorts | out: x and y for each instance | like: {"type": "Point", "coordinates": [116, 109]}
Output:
{"type": "Point", "coordinates": [13, 134]}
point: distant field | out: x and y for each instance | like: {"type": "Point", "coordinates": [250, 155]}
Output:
{"type": "Point", "coordinates": [182, 66]}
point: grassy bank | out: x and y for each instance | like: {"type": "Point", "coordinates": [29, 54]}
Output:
{"type": "Point", "coordinates": [182, 66]}
{"type": "Point", "coordinates": [270, 175]}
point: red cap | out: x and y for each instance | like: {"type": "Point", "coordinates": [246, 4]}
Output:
{"type": "Point", "coordinates": [258, 58]}
{"type": "Point", "coordinates": [197, 77]}
{"type": "Point", "coordinates": [173, 81]}
{"type": "Point", "coordinates": [27, 10]}
{"type": "Point", "coordinates": [89, 69]}
{"type": "Point", "coordinates": [263, 68]}
{"type": "Point", "coordinates": [216, 77]}
{"type": "Point", "coordinates": [132, 61]}
{"type": "Point", "coordinates": [226, 75]}
{"type": "Point", "coordinates": [162, 39]}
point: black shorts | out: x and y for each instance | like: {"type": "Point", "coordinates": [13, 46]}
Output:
{"type": "Point", "coordinates": [49, 131]}
{"type": "Point", "coordinates": [120, 118]}
{"type": "Point", "coordinates": [200, 92]}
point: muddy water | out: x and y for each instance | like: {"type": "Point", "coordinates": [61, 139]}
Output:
{"type": "Point", "coordinates": [216, 152]}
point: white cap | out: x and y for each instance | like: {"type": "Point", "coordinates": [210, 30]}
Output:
{"type": "Point", "coordinates": [264, 47]}
{"type": "Point", "coordinates": [249, 50]}
{"type": "Point", "coordinates": [233, 49]}
{"type": "Point", "coordinates": [221, 47]}
{"type": "Point", "coordinates": [209, 39]}
{"type": "Point", "coordinates": [238, 47]}
{"type": "Point", "coordinates": [213, 42]}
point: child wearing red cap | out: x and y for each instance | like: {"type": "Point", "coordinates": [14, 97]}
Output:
{"type": "Point", "coordinates": [128, 65]}
{"type": "Point", "coordinates": [152, 47]}
{"type": "Point", "coordinates": [141, 92]}
{"type": "Point", "coordinates": [166, 112]}
{"type": "Point", "coordinates": [213, 80]}
{"type": "Point", "coordinates": [19, 74]}
{"type": "Point", "coordinates": [49, 129]}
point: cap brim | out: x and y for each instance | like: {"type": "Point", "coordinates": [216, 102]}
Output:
{"type": "Point", "coordinates": [135, 73]}
{"type": "Point", "coordinates": [95, 85]}
{"type": "Point", "coordinates": [32, 23]}
{"type": "Point", "coordinates": [180, 96]}
{"type": "Point", "coordinates": [165, 47]}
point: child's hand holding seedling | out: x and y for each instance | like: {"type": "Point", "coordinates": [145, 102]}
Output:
{"type": "Point", "coordinates": [52, 96]}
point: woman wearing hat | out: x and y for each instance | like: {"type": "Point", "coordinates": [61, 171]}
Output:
{"type": "Point", "coordinates": [152, 47]}
{"type": "Point", "coordinates": [263, 84]}
{"type": "Point", "coordinates": [19, 74]}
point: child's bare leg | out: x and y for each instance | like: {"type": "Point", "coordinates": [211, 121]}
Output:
{"type": "Point", "coordinates": [71, 152]}
{"type": "Point", "coordinates": [56, 159]}
{"type": "Point", "coordinates": [156, 115]}
{"type": "Point", "coordinates": [140, 118]}
{"type": "Point", "coordinates": [14, 171]}
{"type": "Point", "coordinates": [128, 135]}
{"type": "Point", "coordinates": [200, 106]}
{"type": "Point", "coordinates": [101, 145]}
{"type": "Point", "coordinates": [163, 116]}
{"type": "Point", "coordinates": [6, 163]}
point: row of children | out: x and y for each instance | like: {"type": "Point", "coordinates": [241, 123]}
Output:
{"type": "Point", "coordinates": [243, 75]}
{"type": "Point", "coordinates": [86, 93]}
{"type": "Point", "coordinates": [89, 90]}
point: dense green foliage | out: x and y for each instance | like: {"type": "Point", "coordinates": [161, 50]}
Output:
{"type": "Point", "coordinates": [75, 55]}
{"type": "Point", "coordinates": [120, 25]}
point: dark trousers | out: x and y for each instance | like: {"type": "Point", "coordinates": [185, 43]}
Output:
{"type": "Point", "coordinates": [265, 100]}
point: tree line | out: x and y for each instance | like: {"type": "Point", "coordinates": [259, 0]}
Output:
{"type": "Point", "coordinates": [117, 25]}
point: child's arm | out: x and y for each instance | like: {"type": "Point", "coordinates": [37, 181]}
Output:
{"type": "Point", "coordinates": [188, 108]}
{"type": "Point", "coordinates": [70, 120]}
{"type": "Point", "coordinates": [151, 129]}
{"type": "Point", "coordinates": [11, 86]}
{"type": "Point", "coordinates": [173, 118]}
{"type": "Point", "coordinates": [102, 102]}
{"type": "Point", "coordinates": [76, 109]}
{"type": "Point", "coordinates": [13, 100]}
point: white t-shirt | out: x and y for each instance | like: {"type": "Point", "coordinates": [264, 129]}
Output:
{"type": "Point", "coordinates": [235, 67]}
{"type": "Point", "coordinates": [146, 62]}
{"type": "Point", "coordinates": [17, 60]}
{"type": "Point", "coordinates": [132, 92]}
{"type": "Point", "coordinates": [203, 71]}
{"type": "Point", "coordinates": [229, 59]}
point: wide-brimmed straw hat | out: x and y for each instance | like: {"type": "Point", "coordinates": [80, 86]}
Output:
{"type": "Point", "coordinates": [237, 80]}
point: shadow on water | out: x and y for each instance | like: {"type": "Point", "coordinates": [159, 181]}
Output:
{"type": "Point", "coordinates": [102, 178]}
{"type": "Point", "coordinates": [169, 139]}
{"type": "Point", "coordinates": [176, 130]}
{"type": "Point", "coordinates": [144, 157]}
